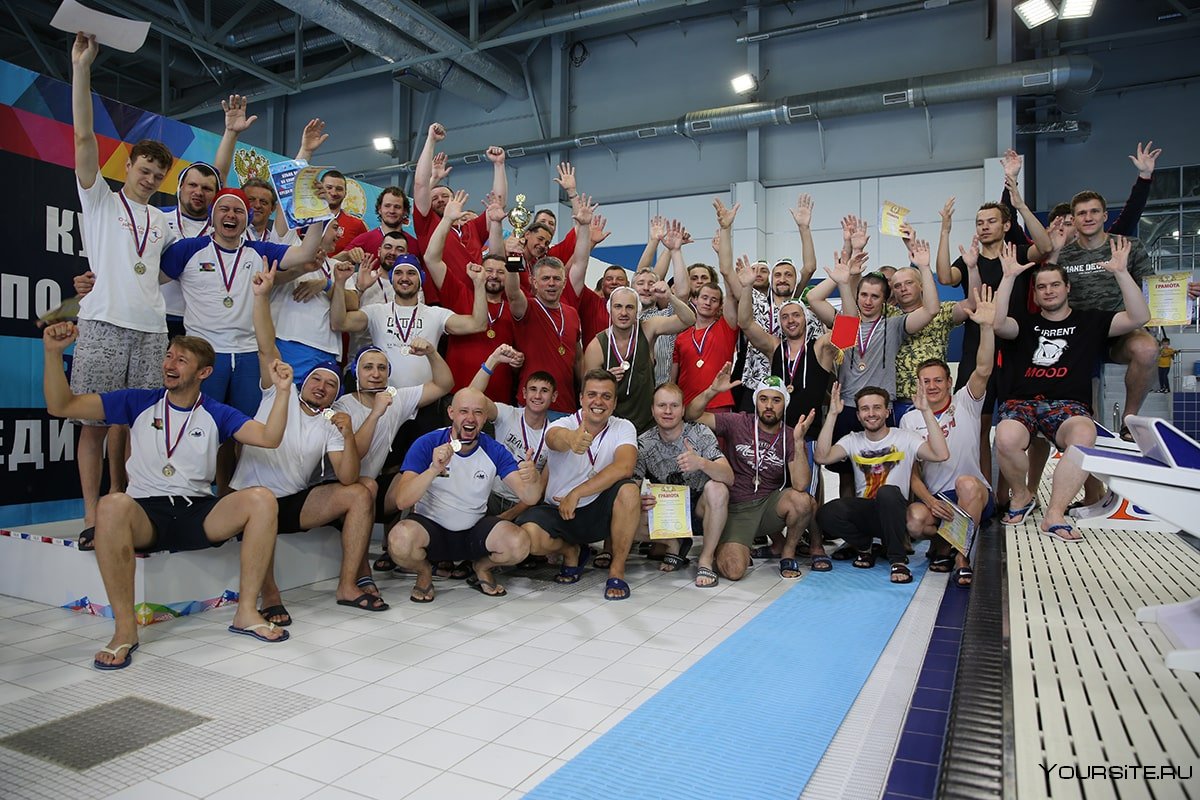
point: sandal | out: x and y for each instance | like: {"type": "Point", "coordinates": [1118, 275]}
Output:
{"type": "Point", "coordinates": [1056, 532]}
{"type": "Point", "coordinates": [787, 565]}
{"type": "Point", "coordinates": [708, 576]}
{"type": "Point", "coordinates": [422, 594]}
{"type": "Point", "coordinates": [1015, 516]}
{"type": "Point", "coordinates": [616, 585]}
{"type": "Point", "coordinates": [384, 563]}
{"type": "Point", "coordinates": [87, 543]}
{"type": "Point", "coordinates": [846, 553]}
{"type": "Point", "coordinates": [821, 562]}
{"type": "Point", "coordinates": [941, 564]}
{"type": "Point", "coordinates": [568, 575]}
{"type": "Point", "coordinates": [864, 560]}
{"type": "Point", "coordinates": [276, 611]}
{"type": "Point", "coordinates": [603, 560]}
{"type": "Point", "coordinates": [961, 574]}
{"type": "Point", "coordinates": [902, 572]}
{"type": "Point", "coordinates": [672, 562]}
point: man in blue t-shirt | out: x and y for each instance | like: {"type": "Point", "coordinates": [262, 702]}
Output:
{"type": "Point", "coordinates": [174, 433]}
{"type": "Point", "coordinates": [446, 479]}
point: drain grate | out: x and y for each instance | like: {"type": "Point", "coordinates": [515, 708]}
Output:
{"type": "Point", "coordinates": [101, 733]}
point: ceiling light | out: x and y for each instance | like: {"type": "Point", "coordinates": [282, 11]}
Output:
{"type": "Point", "coordinates": [745, 84]}
{"type": "Point", "coordinates": [384, 144]}
{"type": "Point", "coordinates": [1077, 9]}
{"type": "Point", "coordinates": [1036, 12]}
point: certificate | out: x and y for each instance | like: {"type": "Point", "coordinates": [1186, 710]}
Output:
{"type": "Point", "coordinates": [959, 530]}
{"type": "Point", "coordinates": [671, 516]}
{"type": "Point", "coordinates": [1166, 293]}
{"type": "Point", "coordinates": [891, 217]}
{"type": "Point", "coordinates": [294, 186]}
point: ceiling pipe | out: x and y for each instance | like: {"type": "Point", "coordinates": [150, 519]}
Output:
{"type": "Point", "coordinates": [257, 33]}
{"type": "Point", "coordinates": [423, 27]}
{"type": "Point", "coordinates": [285, 51]}
{"type": "Point", "coordinates": [848, 19]}
{"type": "Point", "coordinates": [1070, 78]}
{"type": "Point", "coordinates": [380, 39]}
{"type": "Point", "coordinates": [584, 12]}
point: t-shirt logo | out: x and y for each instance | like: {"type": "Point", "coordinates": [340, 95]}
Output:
{"type": "Point", "coordinates": [208, 266]}
{"type": "Point", "coordinates": [875, 466]}
{"type": "Point", "coordinates": [1048, 351]}
{"type": "Point", "coordinates": [481, 476]}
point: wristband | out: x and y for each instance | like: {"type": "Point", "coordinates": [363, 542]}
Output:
{"type": "Point", "coordinates": [484, 367]}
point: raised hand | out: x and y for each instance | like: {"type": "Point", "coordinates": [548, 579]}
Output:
{"type": "Point", "coordinates": [437, 132]}
{"type": "Point", "coordinates": [802, 213]}
{"type": "Point", "coordinates": [859, 236]}
{"type": "Point", "coordinates": [1011, 161]}
{"type": "Point", "coordinates": [507, 354]}
{"type": "Point", "coordinates": [920, 401]}
{"type": "Point", "coordinates": [1014, 192]}
{"type": "Point", "coordinates": [314, 136]}
{"type": "Point", "coordinates": [1145, 158]}
{"type": "Point", "coordinates": [421, 347]}
{"type": "Point", "coordinates": [1008, 260]}
{"type": "Point", "coordinates": [743, 271]}
{"type": "Point", "coordinates": [455, 206]}
{"type": "Point", "coordinates": [583, 209]}
{"type": "Point", "coordinates": [441, 169]}
{"type": "Point", "coordinates": [716, 242]}
{"type": "Point", "coordinates": [919, 253]}
{"type": "Point", "coordinates": [673, 238]}
{"type": "Point", "coordinates": [596, 230]}
{"type": "Point", "coordinates": [84, 283]}
{"type": "Point", "coordinates": [1059, 233]}
{"type": "Point", "coordinates": [281, 376]}
{"type": "Point", "coordinates": [341, 420]}
{"type": "Point", "coordinates": [477, 276]}
{"type": "Point", "coordinates": [59, 336]}
{"type": "Point", "coordinates": [801, 428]}
{"type": "Point", "coordinates": [1120, 255]}
{"type": "Point", "coordinates": [441, 457]}
{"type": "Point", "coordinates": [264, 280]}
{"type": "Point", "coordinates": [908, 235]}
{"type": "Point", "coordinates": [835, 399]}
{"type": "Point", "coordinates": [369, 271]}
{"type": "Point", "coordinates": [658, 228]}
{"type": "Point", "coordinates": [689, 460]}
{"type": "Point", "coordinates": [342, 270]}
{"type": "Point", "coordinates": [566, 177]}
{"type": "Point", "coordinates": [848, 223]}
{"type": "Point", "coordinates": [970, 255]}
{"type": "Point", "coordinates": [660, 291]}
{"type": "Point", "coordinates": [495, 154]}
{"type": "Point", "coordinates": [236, 120]}
{"type": "Point", "coordinates": [725, 215]}
{"type": "Point", "coordinates": [947, 214]}
{"type": "Point", "coordinates": [495, 208]}
{"type": "Point", "coordinates": [84, 50]}
{"type": "Point", "coordinates": [984, 312]}
{"type": "Point", "coordinates": [581, 441]}
{"type": "Point", "coordinates": [722, 381]}
{"type": "Point", "coordinates": [843, 268]}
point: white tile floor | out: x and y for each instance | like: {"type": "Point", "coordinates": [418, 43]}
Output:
{"type": "Point", "coordinates": [466, 696]}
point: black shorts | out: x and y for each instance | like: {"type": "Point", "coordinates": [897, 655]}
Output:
{"type": "Point", "coordinates": [289, 511]}
{"type": "Point", "coordinates": [178, 522]}
{"type": "Point", "coordinates": [448, 545]}
{"type": "Point", "coordinates": [592, 523]}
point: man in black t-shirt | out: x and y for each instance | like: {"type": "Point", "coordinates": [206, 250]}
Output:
{"type": "Point", "coordinates": [1054, 354]}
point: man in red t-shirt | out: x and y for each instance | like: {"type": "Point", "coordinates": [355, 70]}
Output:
{"type": "Point", "coordinates": [702, 350]}
{"type": "Point", "coordinates": [430, 194]}
{"type": "Point", "coordinates": [465, 353]}
{"type": "Point", "coordinates": [392, 208]}
{"type": "Point", "coordinates": [547, 328]}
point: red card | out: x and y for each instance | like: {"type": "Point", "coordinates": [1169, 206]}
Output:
{"type": "Point", "coordinates": [845, 331]}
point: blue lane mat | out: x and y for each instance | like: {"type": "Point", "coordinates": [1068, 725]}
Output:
{"type": "Point", "coordinates": [739, 723]}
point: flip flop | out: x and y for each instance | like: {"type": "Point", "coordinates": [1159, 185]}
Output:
{"type": "Point", "coordinates": [962, 573]}
{"type": "Point", "coordinates": [903, 571]}
{"type": "Point", "coordinates": [864, 560]}
{"type": "Point", "coordinates": [426, 594]}
{"type": "Point", "coordinates": [569, 575]}
{"type": "Point", "coordinates": [276, 611]}
{"type": "Point", "coordinates": [603, 560]}
{"type": "Point", "coordinates": [789, 565]}
{"type": "Point", "coordinates": [821, 563]}
{"type": "Point", "coordinates": [113, 651]}
{"type": "Point", "coordinates": [384, 564]}
{"type": "Point", "coordinates": [707, 574]}
{"type": "Point", "coordinates": [87, 543]}
{"type": "Point", "coordinates": [1053, 533]}
{"type": "Point", "coordinates": [369, 599]}
{"type": "Point", "coordinates": [672, 562]}
{"type": "Point", "coordinates": [941, 564]}
{"type": "Point", "coordinates": [253, 630]}
{"type": "Point", "coordinates": [618, 585]}
{"type": "Point", "coordinates": [486, 588]}
{"type": "Point", "coordinates": [1011, 516]}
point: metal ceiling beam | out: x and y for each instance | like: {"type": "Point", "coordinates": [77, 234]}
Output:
{"type": "Point", "coordinates": [34, 42]}
{"type": "Point", "coordinates": [235, 20]}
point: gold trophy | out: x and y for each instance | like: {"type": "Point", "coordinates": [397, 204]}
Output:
{"type": "Point", "coordinates": [519, 217]}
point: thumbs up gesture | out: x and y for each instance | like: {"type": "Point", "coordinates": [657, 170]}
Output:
{"type": "Point", "coordinates": [581, 442]}
{"type": "Point", "coordinates": [528, 468]}
{"type": "Point", "coordinates": [689, 460]}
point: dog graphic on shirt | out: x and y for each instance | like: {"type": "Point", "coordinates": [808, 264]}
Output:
{"type": "Point", "coordinates": [1048, 351]}
{"type": "Point", "coordinates": [875, 466]}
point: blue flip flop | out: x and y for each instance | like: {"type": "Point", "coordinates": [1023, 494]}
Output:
{"type": "Point", "coordinates": [1053, 533]}
{"type": "Point", "coordinates": [789, 565]}
{"type": "Point", "coordinates": [253, 630]}
{"type": "Point", "coordinates": [1022, 512]}
{"type": "Point", "coordinates": [618, 584]}
{"type": "Point", "coordinates": [112, 651]}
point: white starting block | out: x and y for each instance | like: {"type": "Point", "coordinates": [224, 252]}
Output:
{"type": "Point", "coordinates": [1114, 510]}
{"type": "Point", "coordinates": [54, 571]}
{"type": "Point", "coordinates": [1165, 478]}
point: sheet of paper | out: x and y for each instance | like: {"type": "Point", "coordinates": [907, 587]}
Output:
{"type": "Point", "coordinates": [671, 516]}
{"type": "Point", "coordinates": [285, 175]}
{"type": "Point", "coordinates": [309, 202]}
{"type": "Point", "coordinates": [891, 217]}
{"type": "Point", "coordinates": [958, 531]}
{"type": "Point", "coordinates": [110, 31]}
{"type": "Point", "coordinates": [1166, 293]}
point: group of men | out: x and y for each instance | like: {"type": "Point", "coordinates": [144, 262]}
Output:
{"type": "Point", "coordinates": [723, 382]}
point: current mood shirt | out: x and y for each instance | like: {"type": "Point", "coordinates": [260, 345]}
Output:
{"type": "Point", "coordinates": [1055, 359]}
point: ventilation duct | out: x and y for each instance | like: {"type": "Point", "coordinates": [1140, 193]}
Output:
{"type": "Point", "coordinates": [592, 13]}
{"type": "Point", "coordinates": [259, 32]}
{"type": "Point", "coordinates": [384, 41]}
{"type": "Point", "coordinates": [285, 51]}
{"type": "Point", "coordinates": [848, 19]}
{"type": "Point", "coordinates": [1070, 78]}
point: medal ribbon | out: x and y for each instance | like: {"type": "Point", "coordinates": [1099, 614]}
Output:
{"type": "Point", "coordinates": [790, 366]}
{"type": "Point", "coordinates": [140, 247]}
{"type": "Point", "coordinates": [769, 449]}
{"type": "Point", "coordinates": [171, 448]}
{"type": "Point", "coordinates": [407, 334]}
{"type": "Point", "coordinates": [862, 347]}
{"type": "Point", "coordinates": [561, 327]}
{"type": "Point", "coordinates": [182, 231]}
{"type": "Point", "coordinates": [228, 278]}
{"type": "Point", "coordinates": [525, 438]}
{"type": "Point", "coordinates": [630, 349]}
{"type": "Point", "coordinates": [598, 441]}
{"type": "Point", "coordinates": [500, 313]}
{"type": "Point", "coordinates": [700, 344]}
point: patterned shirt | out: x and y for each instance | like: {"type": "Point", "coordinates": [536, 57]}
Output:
{"type": "Point", "coordinates": [657, 459]}
{"type": "Point", "coordinates": [664, 345]}
{"type": "Point", "coordinates": [929, 342]}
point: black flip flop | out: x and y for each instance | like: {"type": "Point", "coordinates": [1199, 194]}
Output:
{"type": "Point", "coordinates": [276, 611]}
{"type": "Point", "coordinates": [87, 540]}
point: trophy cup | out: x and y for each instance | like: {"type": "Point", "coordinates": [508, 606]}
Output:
{"type": "Point", "coordinates": [519, 217]}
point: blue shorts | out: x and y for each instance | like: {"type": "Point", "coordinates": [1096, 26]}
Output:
{"type": "Point", "coordinates": [235, 382]}
{"type": "Point", "coordinates": [302, 357]}
{"type": "Point", "coordinates": [989, 509]}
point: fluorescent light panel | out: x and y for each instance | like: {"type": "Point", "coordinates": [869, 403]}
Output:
{"type": "Point", "coordinates": [383, 143]}
{"type": "Point", "coordinates": [745, 83]}
{"type": "Point", "coordinates": [1077, 9]}
{"type": "Point", "coordinates": [1036, 12]}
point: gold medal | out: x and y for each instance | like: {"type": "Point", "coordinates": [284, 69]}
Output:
{"type": "Point", "coordinates": [699, 362]}
{"type": "Point", "coordinates": [168, 470]}
{"type": "Point", "coordinates": [328, 413]}
{"type": "Point", "coordinates": [491, 334]}
{"type": "Point", "coordinates": [391, 391]}
{"type": "Point", "coordinates": [227, 302]}
{"type": "Point", "coordinates": [139, 268]}
{"type": "Point", "coordinates": [790, 389]}
{"type": "Point", "coordinates": [862, 367]}
{"type": "Point", "coordinates": [562, 351]}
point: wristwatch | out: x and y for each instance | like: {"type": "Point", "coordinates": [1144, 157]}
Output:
{"type": "Point", "coordinates": [514, 264]}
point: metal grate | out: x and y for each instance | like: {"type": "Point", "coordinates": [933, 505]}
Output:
{"type": "Point", "coordinates": [89, 738]}
{"type": "Point", "coordinates": [1089, 689]}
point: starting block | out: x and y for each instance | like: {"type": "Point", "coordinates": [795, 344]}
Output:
{"type": "Point", "coordinates": [1163, 477]}
{"type": "Point", "coordinates": [1114, 510]}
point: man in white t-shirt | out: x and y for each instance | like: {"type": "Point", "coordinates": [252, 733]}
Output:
{"type": "Point", "coordinates": [882, 459]}
{"type": "Point", "coordinates": [519, 429]}
{"type": "Point", "coordinates": [174, 434]}
{"type": "Point", "coordinates": [446, 479]}
{"type": "Point", "coordinates": [295, 471]}
{"type": "Point", "coordinates": [959, 478]}
{"type": "Point", "coordinates": [122, 323]}
{"type": "Point", "coordinates": [394, 325]}
{"type": "Point", "coordinates": [590, 491]}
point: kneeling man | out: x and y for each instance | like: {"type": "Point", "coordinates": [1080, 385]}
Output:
{"type": "Point", "coordinates": [174, 433]}
{"type": "Point", "coordinates": [446, 479]}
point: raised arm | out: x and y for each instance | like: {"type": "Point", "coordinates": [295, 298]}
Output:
{"type": "Point", "coordinates": [844, 270]}
{"type": "Point", "coordinates": [60, 400]}
{"type": "Point", "coordinates": [721, 383]}
{"type": "Point", "coordinates": [725, 218]}
{"type": "Point", "coordinates": [264, 327]}
{"type": "Point", "coordinates": [983, 314]}
{"type": "Point", "coordinates": [270, 433]}
{"type": "Point", "coordinates": [434, 251]}
{"type": "Point", "coordinates": [1144, 159]}
{"type": "Point", "coordinates": [825, 451]}
{"type": "Point", "coordinates": [496, 155]}
{"type": "Point", "coordinates": [583, 210]}
{"type": "Point", "coordinates": [758, 336]}
{"type": "Point", "coordinates": [503, 354]}
{"type": "Point", "coordinates": [517, 300]}
{"type": "Point", "coordinates": [1037, 231]}
{"type": "Point", "coordinates": [683, 318]}
{"type": "Point", "coordinates": [673, 240]}
{"type": "Point", "coordinates": [341, 319]}
{"type": "Point", "coordinates": [947, 273]}
{"type": "Point", "coordinates": [934, 448]}
{"type": "Point", "coordinates": [1006, 327]}
{"type": "Point", "coordinates": [236, 123]}
{"type": "Point", "coordinates": [311, 138]}
{"type": "Point", "coordinates": [798, 468]}
{"type": "Point", "coordinates": [918, 319]}
{"type": "Point", "coordinates": [1137, 311]}
{"type": "Point", "coordinates": [87, 149]}
{"type": "Point", "coordinates": [802, 214]}
{"type": "Point", "coordinates": [423, 174]}
{"type": "Point", "coordinates": [658, 229]}
{"type": "Point", "coordinates": [441, 381]}
{"type": "Point", "coordinates": [477, 320]}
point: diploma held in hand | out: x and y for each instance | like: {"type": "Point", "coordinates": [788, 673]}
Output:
{"type": "Point", "coordinates": [671, 516]}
